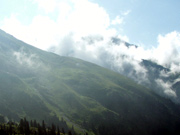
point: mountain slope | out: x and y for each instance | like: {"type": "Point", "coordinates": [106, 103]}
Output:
{"type": "Point", "coordinates": [42, 85]}
{"type": "Point", "coordinates": [169, 79]}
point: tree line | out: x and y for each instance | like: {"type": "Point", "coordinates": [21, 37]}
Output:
{"type": "Point", "coordinates": [25, 127]}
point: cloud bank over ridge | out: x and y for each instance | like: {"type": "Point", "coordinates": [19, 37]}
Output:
{"type": "Point", "coordinates": [85, 30]}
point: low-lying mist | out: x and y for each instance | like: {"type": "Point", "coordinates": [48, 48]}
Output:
{"type": "Point", "coordinates": [127, 59]}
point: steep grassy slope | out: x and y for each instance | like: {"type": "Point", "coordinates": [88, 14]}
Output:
{"type": "Point", "coordinates": [18, 100]}
{"type": "Point", "coordinates": [38, 84]}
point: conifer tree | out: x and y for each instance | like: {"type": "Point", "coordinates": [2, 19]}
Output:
{"type": "Point", "coordinates": [43, 125]}
{"type": "Point", "coordinates": [10, 128]}
{"type": "Point", "coordinates": [31, 124]}
{"type": "Point", "coordinates": [39, 129]}
{"type": "Point", "coordinates": [53, 130]}
{"type": "Point", "coordinates": [35, 124]}
{"type": "Point", "coordinates": [21, 126]}
{"type": "Point", "coordinates": [27, 129]}
{"type": "Point", "coordinates": [63, 131]}
{"type": "Point", "coordinates": [69, 133]}
{"type": "Point", "coordinates": [58, 131]}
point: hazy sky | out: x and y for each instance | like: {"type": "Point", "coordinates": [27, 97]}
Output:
{"type": "Point", "coordinates": [137, 21]}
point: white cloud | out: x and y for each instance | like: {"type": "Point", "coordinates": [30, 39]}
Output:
{"type": "Point", "coordinates": [47, 5]}
{"type": "Point", "coordinates": [126, 12]}
{"type": "Point", "coordinates": [117, 20]}
{"type": "Point", "coordinates": [167, 51]}
{"type": "Point", "coordinates": [123, 37]}
{"type": "Point", "coordinates": [40, 33]}
{"type": "Point", "coordinates": [30, 61]}
{"type": "Point", "coordinates": [87, 18]}
{"type": "Point", "coordinates": [14, 26]}
{"type": "Point", "coordinates": [166, 88]}
{"type": "Point", "coordinates": [24, 59]}
{"type": "Point", "coordinates": [79, 17]}
{"type": "Point", "coordinates": [44, 31]}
